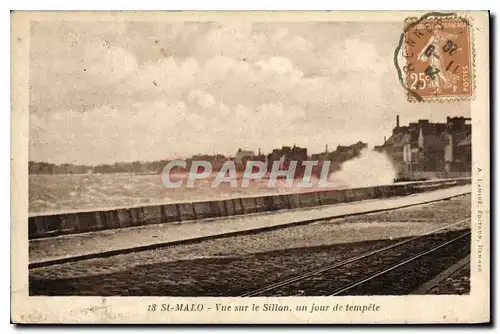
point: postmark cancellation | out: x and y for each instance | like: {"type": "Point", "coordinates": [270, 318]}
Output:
{"type": "Point", "coordinates": [438, 52]}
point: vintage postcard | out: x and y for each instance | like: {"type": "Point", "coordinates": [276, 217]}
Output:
{"type": "Point", "coordinates": [250, 167]}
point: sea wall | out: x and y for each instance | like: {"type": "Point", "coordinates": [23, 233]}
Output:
{"type": "Point", "coordinates": [79, 222]}
{"type": "Point", "coordinates": [432, 175]}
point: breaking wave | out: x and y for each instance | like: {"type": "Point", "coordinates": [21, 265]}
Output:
{"type": "Point", "coordinates": [370, 168]}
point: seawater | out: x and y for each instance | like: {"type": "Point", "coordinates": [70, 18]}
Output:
{"type": "Point", "coordinates": [59, 193]}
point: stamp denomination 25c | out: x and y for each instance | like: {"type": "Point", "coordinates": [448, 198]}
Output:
{"type": "Point", "coordinates": [438, 52]}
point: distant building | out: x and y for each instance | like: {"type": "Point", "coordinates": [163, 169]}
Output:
{"type": "Point", "coordinates": [458, 153]}
{"type": "Point", "coordinates": [344, 153]}
{"type": "Point", "coordinates": [463, 155]}
{"type": "Point", "coordinates": [425, 146]}
{"type": "Point", "coordinates": [216, 160]}
{"type": "Point", "coordinates": [287, 153]}
{"type": "Point", "coordinates": [323, 156]}
{"type": "Point", "coordinates": [242, 156]}
{"type": "Point", "coordinates": [337, 157]}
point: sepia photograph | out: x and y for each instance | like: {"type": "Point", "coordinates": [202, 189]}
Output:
{"type": "Point", "coordinates": [246, 155]}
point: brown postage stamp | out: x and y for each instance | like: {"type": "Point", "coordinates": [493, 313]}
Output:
{"type": "Point", "coordinates": [439, 58]}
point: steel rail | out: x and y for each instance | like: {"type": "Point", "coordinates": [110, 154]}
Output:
{"type": "Point", "coordinates": [315, 272]}
{"type": "Point", "coordinates": [408, 260]}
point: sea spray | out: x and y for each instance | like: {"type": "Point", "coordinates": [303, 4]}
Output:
{"type": "Point", "coordinates": [370, 168]}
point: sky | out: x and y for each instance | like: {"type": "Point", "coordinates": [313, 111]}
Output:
{"type": "Point", "coordinates": [103, 92]}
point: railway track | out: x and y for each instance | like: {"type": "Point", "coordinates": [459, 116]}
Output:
{"type": "Point", "coordinates": [443, 283]}
{"type": "Point", "coordinates": [161, 273]}
{"type": "Point", "coordinates": [391, 270]}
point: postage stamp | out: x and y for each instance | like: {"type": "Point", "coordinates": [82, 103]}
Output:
{"type": "Point", "coordinates": [439, 58]}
